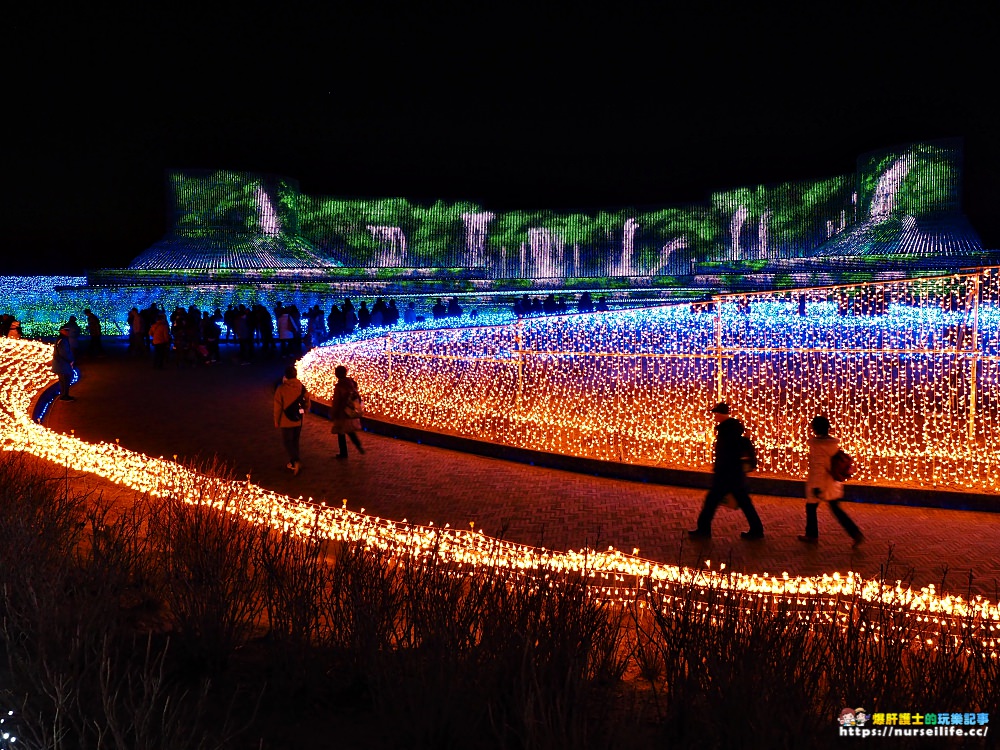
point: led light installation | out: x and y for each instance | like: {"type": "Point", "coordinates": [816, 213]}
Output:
{"type": "Point", "coordinates": [908, 372]}
{"type": "Point", "coordinates": [899, 202]}
{"type": "Point", "coordinates": [612, 575]}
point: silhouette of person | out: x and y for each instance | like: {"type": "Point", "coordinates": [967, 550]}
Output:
{"type": "Point", "coordinates": [821, 486]}
{"type": "Point", "coordinates": [410, 314]}
{"type": "Point", "coordinates": [345, 399]}
{"type": "Point", "coordinates": [364, 316]}
{"type": "Point", "coordinates": [728, 477]}
{"type": "Point", "coordinates": [62, 363]}
{"type": "Point", "coordinates": [94, 329]}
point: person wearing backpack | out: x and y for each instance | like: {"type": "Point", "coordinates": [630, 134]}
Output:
{"type": "Point", "coordinates": [822, 485]}
{"type": "Point", "coordinates": [291, 402]}
{"type": "Point", "coordinates": [728, 477]}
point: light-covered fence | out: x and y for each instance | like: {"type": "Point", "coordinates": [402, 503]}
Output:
{"type": "Point", "coordinates": [908, 373]}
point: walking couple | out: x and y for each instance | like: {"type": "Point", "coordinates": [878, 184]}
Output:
{"type": "Point", "coordinates": [292, 402]}
{"type": "Point", "coordinates": [733, 452]}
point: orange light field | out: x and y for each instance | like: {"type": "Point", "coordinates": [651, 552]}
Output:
{"type": "Point", "coordinates": [908, 373]}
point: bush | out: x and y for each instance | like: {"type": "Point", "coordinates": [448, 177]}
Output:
{"type": "Point", "coordinates": [171, 622]}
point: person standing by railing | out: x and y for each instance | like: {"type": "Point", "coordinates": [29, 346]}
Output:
{"type": "Point", "coordinates": [62, 363]}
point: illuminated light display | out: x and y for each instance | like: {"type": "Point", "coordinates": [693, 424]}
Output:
{"type": "Point", "coordinates": [231, 220]}
{"type": "Point", "coordinates": [903, 202]}
{"type": "Point", "coordinates": [247, 237]}
{"type": "Point", "coordinates": [611, 574]}
{"type": "Point", "coordinates": [908, 372]}
{"type": "Point", "coordinates": [783, 221]}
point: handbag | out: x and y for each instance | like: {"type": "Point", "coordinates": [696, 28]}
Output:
{"type": "Point", "coordinates": [354, 409]}
{"type": "Point", "coordinates": [296, 409]}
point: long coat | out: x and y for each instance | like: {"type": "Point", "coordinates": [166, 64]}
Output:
{"type": "Point", "coordinates": [343, 393]}
{"type": "Point", "coordinates": [821, 450]}
{"type": "Point", "coordinates": [728, 467]}
{"type": "Point", "coordinates": [62, 357]}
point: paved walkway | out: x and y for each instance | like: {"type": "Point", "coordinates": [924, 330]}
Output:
{"type": "Point", "coordinates": [225, 411]}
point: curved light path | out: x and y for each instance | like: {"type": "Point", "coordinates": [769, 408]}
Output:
{"type": "Point", "coordinates": [611, 574]}
{"type": "Point", "coordinates": [907, 372]}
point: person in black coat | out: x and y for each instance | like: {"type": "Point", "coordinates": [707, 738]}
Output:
{"type": "Point", "coordinates": [728, 477]}
{"type": "Point", "coordinates": [94, 329]}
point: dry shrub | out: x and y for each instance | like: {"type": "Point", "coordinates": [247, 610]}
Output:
{"type": "Point", "coordinates": [167, 623]}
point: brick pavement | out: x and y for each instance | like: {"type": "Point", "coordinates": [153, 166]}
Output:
{"type": "Point", "coordinates": [225, 411]}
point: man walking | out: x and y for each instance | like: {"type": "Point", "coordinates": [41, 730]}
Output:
{"type": "Point", "coordinates": [728, 477]}
{"type": "Point", "coordinates": [291, 402]}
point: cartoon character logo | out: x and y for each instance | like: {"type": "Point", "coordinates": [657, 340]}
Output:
{"type": "Point", "coordinates": [846, 717]}
{"type": "Point", "coordinates": [861, 716]}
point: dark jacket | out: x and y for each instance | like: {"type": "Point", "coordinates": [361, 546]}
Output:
{"type": "Point", "coordinates": [729, 450]}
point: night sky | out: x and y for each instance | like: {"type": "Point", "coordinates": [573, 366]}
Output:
{"type": "Point", "coordinates": [565, 109]}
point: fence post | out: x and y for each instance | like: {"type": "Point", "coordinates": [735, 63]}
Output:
{"type": "Point", "coordinates": [520, 364]}
{"type": "Point", "coordinates": [974, 360]}
{"type": "Point", "coordinates": [388, 350]}
{"type": "Point", "coordinates": [718, 348]}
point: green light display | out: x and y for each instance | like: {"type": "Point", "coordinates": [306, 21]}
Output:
{"type": "Point", "coordinates": [915, 180]}
{"type": "Point", "coordinates": [233, 220]}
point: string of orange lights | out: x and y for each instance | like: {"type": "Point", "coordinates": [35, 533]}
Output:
{"type": "Point", "coordinates": [610, 574]}
{"type": "Point", "coordinates": [907, 371]}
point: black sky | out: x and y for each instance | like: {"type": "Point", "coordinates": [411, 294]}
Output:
{"type": "Point", "coordinates": [635, 104]}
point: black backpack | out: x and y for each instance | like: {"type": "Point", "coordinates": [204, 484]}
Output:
{"type": "Point", "coordinates": [297, 408]}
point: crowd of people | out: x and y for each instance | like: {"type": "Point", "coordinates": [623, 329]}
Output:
{"type": "Point", "coordinates": [194, 335]}
{"type": "Point", "coordinates": [552, 305]}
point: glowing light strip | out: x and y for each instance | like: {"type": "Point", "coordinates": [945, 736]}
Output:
{"type": "Point", "coordinates": [611, 574]}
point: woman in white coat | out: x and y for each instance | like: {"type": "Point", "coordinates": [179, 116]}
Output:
{"type": "Point", "coordinates": [821, 486]}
